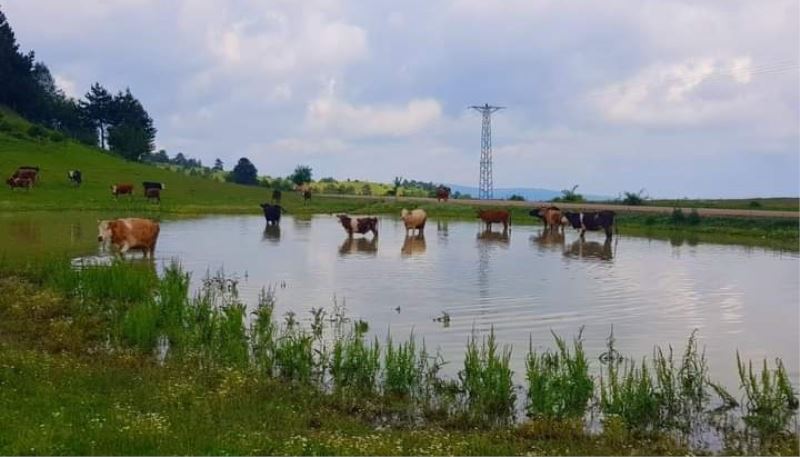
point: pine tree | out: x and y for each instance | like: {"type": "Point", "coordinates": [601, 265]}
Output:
{"type": "Point", "coordinates": [98, 107]}
{"type": "Point", "coordinates": [244, 173]}
{"type": "Point", "coordinates": [218, 165]}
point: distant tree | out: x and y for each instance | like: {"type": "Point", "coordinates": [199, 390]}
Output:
{"type": "Point", "coordinates": [301, 175]}
{"type": "Point", "coordinates": [634, 199]}
{"type": "Point", "coordinates": [518, 198]}
{"type": "Point", "coordinates": [569, 195]}
{"type": "Point", "coordinates": [98, 107]}
{"type": "Point", "coordinates": [244, 173]}
{"type": "Point", "coordinates": [217, 165]}
{"type": "Point", "coordinates": [398, 180]}
{"type": "Point", "coordinates": [132, 134]}
{"type": "Point", "coordinates": [160, 156]}
{"type": "Point", "coordinates": [366, 189]}
{"type": "Point", "coordinates": [17, 86]}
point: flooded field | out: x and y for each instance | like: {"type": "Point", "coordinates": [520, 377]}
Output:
{"type": "Point", "coordinates": [458, 279]}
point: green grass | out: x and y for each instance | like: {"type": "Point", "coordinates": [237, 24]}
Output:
{"type": "Point", "coordinates": [69, 359]}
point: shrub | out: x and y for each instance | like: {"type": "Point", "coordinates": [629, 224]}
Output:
{"type": "Point", "coordinates": [770, 401]}
{"type": "Point", "coordinates": [693, 218]}
{"type": "Point", "coordinates": [57, 137]}
{"type": "Point", "coordinates": [634, 199]}
{"type": "Point", "coordinates": [677, 216]}
{"type": "Point", "coordinates": [36, 131]}
{"type": "Point", "coordinates": [487, 381]}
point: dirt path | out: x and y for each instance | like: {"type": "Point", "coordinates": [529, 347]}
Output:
{"type": "Point", "coordinates": [719, 212]}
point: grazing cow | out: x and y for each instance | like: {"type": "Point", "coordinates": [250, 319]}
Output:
{"type": "Point", "coordinates": [19, 182]}
{"type": "Point", "coordinates": [492, 216]}
{"type": "Point", "coordinates": [153, 185]}
{"type": "Point", "coordinates": [152, 193]}
{"type": "Point", "coordinates": [306, 196]}
{"type": "Point", "coordinates": [129, 234]}
{"type": "Point", "coordinates": [360, 225]}
{"type": "Point", "coordinates": [121, 189]}
{"type": "Point", "coordinates": [414, 245]}
{"type": "Point", "coordinates": [442, 193]}
{"type": "Point", "coordinates": [550, 216]}
{"type": "Point", "coordinates": [272, 213]}
{"type": "Point", "coordinates": [75, 177]}
{"type": "Point", "coordinates": [414, 220]}
{"type": "Point", "coordinates": [352, 245]}
{"type": "Point", "coordinates": [592, 221]}
{"type": "Point", "coordinates": [276, 197]}
{"type": "Point", "coordinates": [31, 173]}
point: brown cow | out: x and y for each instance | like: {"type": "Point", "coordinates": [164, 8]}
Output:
{"type": "Point", "coordinates": [492, 216]}
{"type": "Point", "coordinates": [27, 173]}
{"type": "Point", "coordinates": [442, 193]}
{"type": "Point", "coordinates": [19, 182]}
{"type": "Point", "coordinates": [127, 234]}
{"type": "Point", "coordinates": [122, 189]}
{"type": "Point", "coordinates": [360, 225]}
{"type": "Point", "coordinates": [550, 216]}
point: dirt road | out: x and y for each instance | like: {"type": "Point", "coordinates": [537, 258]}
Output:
{"type": "Point", "coordinates": [708, 212]}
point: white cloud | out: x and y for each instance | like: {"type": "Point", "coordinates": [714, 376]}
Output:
{"type": "Point", "coordinates": [328, 113]}
{"type": "Point", "coordinates": [67, 85]}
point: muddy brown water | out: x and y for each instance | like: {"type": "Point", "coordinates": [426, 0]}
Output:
{"type": "Point", "coordinates": [524, 284]}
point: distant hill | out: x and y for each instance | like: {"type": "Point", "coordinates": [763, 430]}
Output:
{"type": "Point", "coordinates": [529, 193]}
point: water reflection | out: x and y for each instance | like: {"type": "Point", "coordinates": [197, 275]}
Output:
{"type": "Point", "coordinates": [367, 246]}
{"type": "Point", "coordinates": [272, 233]}
{"type": "Point", "coordinates": [442, 230]}
{"type": "Point", "coordinates": [678, 239]}
{"type": "Point", "coordinates": [488, 236]}
{"type": "Point", "coordinates": [548, 240]}
{"type": "Point", "coordinates": [413, 245]}
{"type": "Point", "coordinates": [581, 249]}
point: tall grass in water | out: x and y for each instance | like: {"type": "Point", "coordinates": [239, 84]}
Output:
{"type": "Point", "coordinates": [559, 384]}
{"type": "Point", "coordinates": [487, 382]}
{"type": "Point", "coordinates": [355, 364]}
{"type": "Point", "coordinates": [294, 353]}
{"type": "Point", "coordinates": [103, 285]}
{"type": "Point", "coordinates": [404, 369]}
{"type": "Point", "coordinates": [770, 403]}
{"type": "Point", "coordinates": [263, 332]}
{"type": "Point", "coordinates": [139, 327]}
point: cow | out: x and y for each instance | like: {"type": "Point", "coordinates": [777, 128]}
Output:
{"type": "Point", "coordinates": [31, 173]}
{"type": "Point", "coordinates": [272, 213]}
{"type": "Point", "coordinates": [591, 220]}
{"type": "Point", "coordinates": [129, 234]}
{"type": "Point", "coordinates": [413, 245]}
{"type": "Point", "coordinates": [121, 189]}
{"type": "Point", "coordinates": [152, 193]}
{"type": "Point", "coordinates": [442, 193]}
{"type": "Point", "coordinates": [153, 185]}
{"type": "Point", "coordinates": [550, 216]}
{"type": "Point", "coordinates": [493, 216]}
{"type": "Point", "coordinates": [414, 220]}
{"type": "Point", "coordinates": [360, 225]}
{"type": "Point", "coordinates": [75, 177]}
{"type": "Point", "coordinates": [306, 196]}
{"type": "Point", "coordinates": [276, 197]}
{"type": "Point", "coordinates": [19, 182]}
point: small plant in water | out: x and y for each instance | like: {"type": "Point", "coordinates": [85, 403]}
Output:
{"type": "Point", "coordinates": [487, 381]}
{"type": "Point", "coordinates": [770, 401]}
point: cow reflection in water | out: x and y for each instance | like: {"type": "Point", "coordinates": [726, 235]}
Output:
{"type": "Point", "coordinates": [272, 233]}
{"type": "Point", "coordinates": [581, 249]}
{"type": "Point", "coordinates": [413, 245]}
{"type": "Point", "coordinates": [549, 239]}
{"type": "Point", "coordinates": [494, 237]}
{"type": "Point", "coordinates": [359, 245]}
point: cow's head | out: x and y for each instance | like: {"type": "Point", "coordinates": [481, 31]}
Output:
{"type": "Point", "coordinates": [537, 212]}
{"type": "Point", "coordinates": [104, 231]}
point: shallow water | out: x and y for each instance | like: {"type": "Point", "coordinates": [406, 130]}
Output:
{"type": "Point", "coordinates": [523, 284]}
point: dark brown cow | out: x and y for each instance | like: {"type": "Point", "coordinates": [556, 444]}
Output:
{"type": "Point", "coordinates": [121, 189]}
{"type": "Point", "coordinates": [360, 225]}
{"type": "Point", "coordinates": [19, 182]}
{"type": "Point", "coordinates": [495, 216]}
{"type": "Point", "coordinates": [276, 197]}
{"type": "Point", "coordinates": [442, 193]}
{"type": "Point", "coordinates": [153, 193]}
{"type": "Point", "coordinates": [306, 196]}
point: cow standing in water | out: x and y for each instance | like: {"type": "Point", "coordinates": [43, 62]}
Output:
{"type": "Point", "coordinates": [495, 216]}
{"type": "Point", "coordinates": [129, 234]}
{"type": "Point", "coordinates": [592, 221]}
{"type": "Point", "coordinates": [272, 213]}
{"type": "Point", "coordinates": [550, 216]}
{"type": "Point", "coordinates": [360, 225]}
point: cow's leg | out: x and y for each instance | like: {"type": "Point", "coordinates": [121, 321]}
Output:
{"type": "Point", "coordinates": [608, 232]}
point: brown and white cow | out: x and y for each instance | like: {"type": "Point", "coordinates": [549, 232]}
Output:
{"type": "Point", "coordinates": [360, 225]}
{"type": "Point", "coordinates": [19, 182]}
{"type": "Point", "coordinates": [129, 234]}
{"type": "Point", "coordinates": [495, 216]}
{"type": "Point", "coordinates": [121, 189]}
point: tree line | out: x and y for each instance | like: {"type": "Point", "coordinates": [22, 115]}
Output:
{"type": "Point", "coordinates": [116, 122]}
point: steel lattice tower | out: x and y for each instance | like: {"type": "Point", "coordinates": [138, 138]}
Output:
{"type": "Point", "coordinates": [485, 185]}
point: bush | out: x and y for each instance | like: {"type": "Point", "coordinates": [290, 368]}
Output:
{"type": "Point", "coordinates": [693, 218]}
{"type": "Point", "coordinates": [57, 137]}
{"type": "Point", "coordinates": [677, 216]}
{"type": "Point", "coordinates": [36, 131]}
{"type": "Point", "coordinates": [755, 204]}
{"type": "Point", "coordinates": [634, 199]}
{"type": "Point", "coordinates": [516, 198]}
{"type": "Point", "coordinates": [569, 195]}
{"type": "Point", "coordinates": [559, 385]}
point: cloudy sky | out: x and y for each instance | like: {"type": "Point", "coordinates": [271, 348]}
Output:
{"type": "Point", "coordinates": [682, 98]}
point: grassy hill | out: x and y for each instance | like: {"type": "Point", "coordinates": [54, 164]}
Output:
{"type": "Point", "coordinates": [55, 156]}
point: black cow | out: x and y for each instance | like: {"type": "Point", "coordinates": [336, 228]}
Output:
{"type": "Point", "coordinates": [276, 197]}
{"type": "Point", "coordinates": [592, 221]}
{"type": "Point", "coordinates": [272, 213]}
{"type": "Point", "coordinates": [75, 177]}
{"type": "Point", "coordinates": [153, 185]}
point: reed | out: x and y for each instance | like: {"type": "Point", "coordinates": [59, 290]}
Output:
{"type": "Point", "coordinates": [355, 364]}
{"type": "Point", "coordinates": [559, 384]}
{"type": "Point", "coordinates": [487, 381]}
{"type": "Point", "coordinates": [770, 402]}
